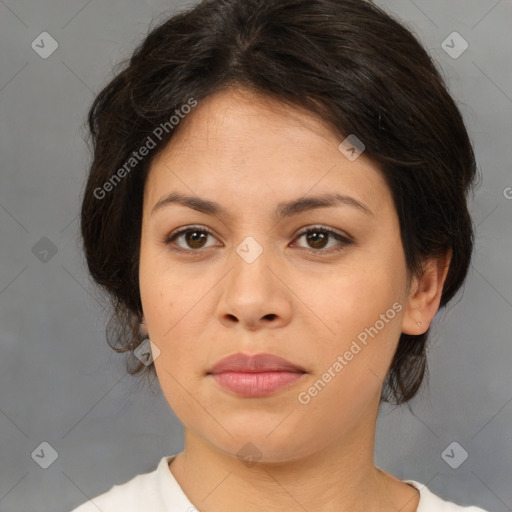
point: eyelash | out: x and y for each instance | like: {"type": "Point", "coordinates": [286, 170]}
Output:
{"type": "Point", "coordinates": [314, 229]}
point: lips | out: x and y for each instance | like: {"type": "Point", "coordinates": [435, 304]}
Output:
{"type": "Point", "coordinates": [257, 363]}
{"type": "Point", "coordinates": [255, 376]}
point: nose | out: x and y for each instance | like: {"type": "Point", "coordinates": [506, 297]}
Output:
{"type": "Point", "coordinates": [255, 293]}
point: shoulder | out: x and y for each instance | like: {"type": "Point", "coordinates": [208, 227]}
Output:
{"type": "Point", "coordinates": [430, 502]}
{"type": "Point", "coordinates": [133, 495]}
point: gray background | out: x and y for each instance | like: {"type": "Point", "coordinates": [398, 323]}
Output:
{"type": "Point", "coordinates": [61, 384]}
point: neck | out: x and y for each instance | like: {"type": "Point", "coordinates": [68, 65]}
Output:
{"type": "Point", "coordinates": [339, 477]}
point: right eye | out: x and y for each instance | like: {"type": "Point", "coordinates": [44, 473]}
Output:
{"type": "Point", "coordinates": [193, 236]}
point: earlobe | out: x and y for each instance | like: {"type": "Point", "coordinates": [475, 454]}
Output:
{"type": "Point", "coordinates": [143, 329]}
{"type": "Point", "coordinates": [425, 295]}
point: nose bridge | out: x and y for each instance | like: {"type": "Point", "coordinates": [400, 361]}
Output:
{"type": "Point", "coordinates": [253, 292]}
{"type": "Point", "coordinates": [252, 261]}
{"type": "Point", "coordinates": [250, 249]}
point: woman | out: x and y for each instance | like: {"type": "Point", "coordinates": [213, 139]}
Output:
{"type": "Point", "coordinates": [277, 207]}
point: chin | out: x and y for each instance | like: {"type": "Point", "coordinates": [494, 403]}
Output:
{"type": "Point", "coordinates": [252, 447]}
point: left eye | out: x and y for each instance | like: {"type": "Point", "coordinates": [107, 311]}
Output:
{"type": "Point", "coordinates": [317, 237]}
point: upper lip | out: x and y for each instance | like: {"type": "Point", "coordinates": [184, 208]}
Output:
{"type": "Point", "coordinates": [254, 364]}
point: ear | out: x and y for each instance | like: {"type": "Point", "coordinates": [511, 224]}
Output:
{"type": "Point", "coordinates": [143, 328]}
{"type": "Point", "coordinates": [424, 295]}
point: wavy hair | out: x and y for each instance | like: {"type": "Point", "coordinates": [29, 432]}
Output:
{"type": "Point", "coordinates": [348, 62]}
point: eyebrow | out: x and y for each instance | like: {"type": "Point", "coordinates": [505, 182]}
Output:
{"type": "Point", "coordinates": [283, 210]}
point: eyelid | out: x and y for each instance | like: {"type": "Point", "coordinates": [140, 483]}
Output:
{"type": "Point", "coordinates": [344, 240]}
{"type": "Point", "coordinates": [181, 231]}
{"type": "Point", "coordinates": [345, 236]}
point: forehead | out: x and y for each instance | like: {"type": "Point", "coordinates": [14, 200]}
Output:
{"type": "Point", "coordinates": [231, 115]}
{"type": "Point", "coordinates": [240, 146]}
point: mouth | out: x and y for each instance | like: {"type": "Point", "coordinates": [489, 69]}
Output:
{"type": "Point", "coordinates": [255, 364]}
{"type": "Point", "coordinates": [255, 376]}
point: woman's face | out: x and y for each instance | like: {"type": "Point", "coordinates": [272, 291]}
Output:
{"type": "Point", "coordinates": [257, 284]}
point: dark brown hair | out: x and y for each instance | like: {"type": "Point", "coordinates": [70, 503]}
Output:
{"type": "Point", "coordinates": [346, 61]}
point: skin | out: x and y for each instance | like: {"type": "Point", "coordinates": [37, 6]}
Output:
{"type": "Point", "coordinates": [296, 300]}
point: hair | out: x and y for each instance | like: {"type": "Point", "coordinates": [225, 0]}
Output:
{"type": "Point", "coordinates": [347, 62]}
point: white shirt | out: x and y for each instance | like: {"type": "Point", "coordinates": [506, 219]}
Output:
{"type": "Point", "coordinates": [159, 491]}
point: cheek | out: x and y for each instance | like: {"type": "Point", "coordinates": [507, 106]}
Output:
{"type": "Point", "coordinates": [355, 301]}
{"type": "Point", "coordinates": [175, 308]}
{"type": "Point", "coordinates": [174, 377]}
{"type": "Point", "coordinates": [362, 308]}
{"type": "Point", "coordinates": [166, 295]}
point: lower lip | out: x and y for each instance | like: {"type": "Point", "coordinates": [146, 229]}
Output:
{"type": "Point", "coordinates": [256, 384]}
